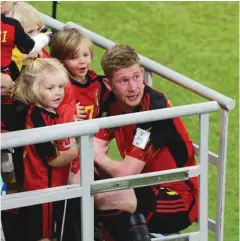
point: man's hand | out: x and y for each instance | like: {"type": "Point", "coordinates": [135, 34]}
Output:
{"type": "Point", "coordinates": [7, 85]}
{"type": "Point", "coordinates": [81, 113]}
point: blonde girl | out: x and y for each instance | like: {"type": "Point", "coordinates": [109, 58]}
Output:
{"type": "Point", "coordinates": [41, 88]}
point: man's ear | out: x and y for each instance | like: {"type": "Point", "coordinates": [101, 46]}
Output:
{"type": "Point", "coordinates": [107, 83]}
{"type": "Point", "coordinates": [142, 70]}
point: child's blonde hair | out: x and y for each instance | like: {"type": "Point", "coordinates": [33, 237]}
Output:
{"type": "Point", "coordinates": [28, 16]}
{"type": "Point", "coordinates": [66, 44]}
{"type": "Point", "coordinates": [27, 87]}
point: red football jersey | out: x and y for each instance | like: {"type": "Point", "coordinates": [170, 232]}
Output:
{"type": "Point", "coordinates": [12, 34]}
{"type": "Point", "coordinates": [89, 95]}
{"type": "Point", "coordinates": [161, 144]}
{"type": "Point", "coordinates": [37, 173]}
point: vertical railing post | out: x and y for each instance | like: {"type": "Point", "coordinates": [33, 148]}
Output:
{"type": "Point", "coordinates": [148, 78]}
{"type": "Point", "coordinates": [221, 167]}
{"type": "Point", "coordinates": [87, 201]}
{"type": "Point", "coordinates": [203, 159]}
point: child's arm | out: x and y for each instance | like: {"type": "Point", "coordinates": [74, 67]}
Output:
{"type": "Point", "coordinates": [64, 157]}
{"type": "Point", "coordinates": [27, 45]}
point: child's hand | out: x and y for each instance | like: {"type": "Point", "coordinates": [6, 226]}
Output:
{"type": "Point", "coordinates": [81, 113]}
{"type": "Point", "coordinates": [7, 85]}
{"type": "Point", "coordinates": [74, 178]}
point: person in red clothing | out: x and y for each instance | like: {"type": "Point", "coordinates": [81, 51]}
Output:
{"type": "Point", "coordinates": [12, 34]}
{"type": "Point", "coordinates": [147, 147]}
{"type": "Point", "coordinates": [33, 24]}
{"type": "Point", "coordinates": [41, 88]}
{"type": "Point", "coordinates": [82, 100]}
{"type": "Point", "coordinates": [75, 52]}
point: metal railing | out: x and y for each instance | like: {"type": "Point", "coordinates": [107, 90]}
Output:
{"type": "Point", "coordinates": [88, 186]}
{"type": "Point", "coordinates": [88, 128]}
{"type": "Point", "coordinates": [225, 102]}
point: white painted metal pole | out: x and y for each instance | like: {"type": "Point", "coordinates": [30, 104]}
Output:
{"type": "Point", "coordinates": [148, 78]}
{"type": "Point", "coordinates": [221, 167]}
{"type": "Point", "coordinates": [87, 178]}
{"type": "Point", "coordinates": [203, 195]}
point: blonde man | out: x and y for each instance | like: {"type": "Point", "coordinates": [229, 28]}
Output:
{"type": "Point", "coordinates": [147, 147]}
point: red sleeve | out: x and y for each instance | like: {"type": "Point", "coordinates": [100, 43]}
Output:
{"type": "Point", "coordinates": [142, 154]}
{"type": "Point", "coordinates": [75, 165]}
{"type": "Point", "coordinates": [105, 134]}
{"type": "Point", "coordinates": [67, 109]}
{"type": "Point", "coordinates": [63, 145]}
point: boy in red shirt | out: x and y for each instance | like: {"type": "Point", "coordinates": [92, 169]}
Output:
{"type": "Point", "coordinates": [83, 96]}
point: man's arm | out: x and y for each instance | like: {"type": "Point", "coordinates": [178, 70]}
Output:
{"type": "Point", "coordinates": [128, 166]}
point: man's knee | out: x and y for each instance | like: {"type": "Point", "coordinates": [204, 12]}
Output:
{"type": "Point", "coordinates": [124, 200]}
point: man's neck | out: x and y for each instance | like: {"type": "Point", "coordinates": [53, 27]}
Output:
{"type": "Point", "coordinates": [126, 109]}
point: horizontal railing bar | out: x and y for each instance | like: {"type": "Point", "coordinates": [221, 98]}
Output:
{"type": "Point", "coordinates": [30, 198]}
{"type": "Point", "coordinates": [51, 22]}
{"type": "Point", "coordinates": [187, 83]}
{"type": "Point", "coordinates": [212, 225]}
{"type": "Point", "coordinates": [163, 71]}
{"type": "Point", "coordinates": [155, 115]}
{"type": "Point", "coordinates": [212, 157]}
{"type": "Point", "coordinates": [146, 179]}
{"type": "Point", "coordinates": [72, 191]}
{"type": "Point", "coordinates": [194, 236]}
{"type": "Point", "coordinates": [49, 133]}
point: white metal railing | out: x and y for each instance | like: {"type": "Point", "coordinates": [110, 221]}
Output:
{"type": "Point", "coordinates": [88, 187]}
{"type": "Point", "coordinates": [11, 139]}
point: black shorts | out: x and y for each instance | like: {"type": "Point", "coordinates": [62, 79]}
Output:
{"type": "Point", "coordinates": [165, 210]}
{"type": "Point", "coordinates": [72, 226]}
{"type": "Point", "coordinates": [42, 221]}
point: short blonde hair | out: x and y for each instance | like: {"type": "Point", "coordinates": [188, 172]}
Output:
{"type": "Point", "coordinates": [27, 15]}
{"type": "Point", "coordinates": [27, 87]}
{"type": "Point", "coordinates": [119, 57]}
{"type": "Point", "coordinates": [66, 44]}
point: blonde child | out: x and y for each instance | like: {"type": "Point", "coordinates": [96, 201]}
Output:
{"type": "Point", "coordinates": [41, 88]}
{"type": "Point", "coordinates": [86, 91]}
{"type": "Point", "coordinates": [75, 52]}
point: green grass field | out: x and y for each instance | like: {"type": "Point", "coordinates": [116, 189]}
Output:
{"type": "Point", "coordinates": [197, 39]}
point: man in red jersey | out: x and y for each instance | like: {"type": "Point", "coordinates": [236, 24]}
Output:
{"type": "Point", "coordinates": [147, 147]}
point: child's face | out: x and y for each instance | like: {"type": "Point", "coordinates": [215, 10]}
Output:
{"type": "Point", "coordinates": [51, 91]}
{"type": "Point", "coordinates": [6, 6]}
{"type": "Point", "coordinates": [33, 29]}
{"type": "Point", "coordinates": [79, 65]}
